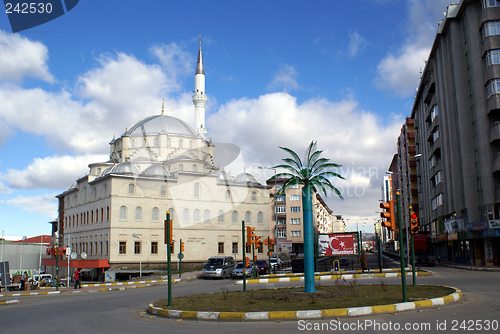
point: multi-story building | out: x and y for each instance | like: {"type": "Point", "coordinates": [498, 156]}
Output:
{"type": "Point", "coordinates": [457, 125]}
{"type": "Point", "coordinates": [286, 212]}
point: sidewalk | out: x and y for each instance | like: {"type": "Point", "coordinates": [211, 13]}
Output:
{"type": "Point", "coordinates": [469, 266]}
{"type": "Point", "coordinates": [99, 287]}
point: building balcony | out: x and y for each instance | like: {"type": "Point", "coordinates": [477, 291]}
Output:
{"type": "Point", "coordinates": [496, 163]}
{"type": "Point", "coordinates": [494, 132]}
{"type": "Point", "coordinates": [281, 214]}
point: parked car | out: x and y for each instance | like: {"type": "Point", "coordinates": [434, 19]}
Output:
{"type": "Point", "coordinates": [238, 270]}
{"type": "Point", "coordinates": [262, 266]}
{"type": "Point", "coordinates": [218, 266]}
{"type": "Point", "coordinates": [38, 278]}
{"type": "Point", "coordinates": [275, 261]}
{"type": "Point", "coordinates": [344, 262]}
{"type": "Point", "coordinates": [51, 282]}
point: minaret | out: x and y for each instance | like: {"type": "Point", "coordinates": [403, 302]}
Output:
{"type": "Point", "coordinates": [199, 97]}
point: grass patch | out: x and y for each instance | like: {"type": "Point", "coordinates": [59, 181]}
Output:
{"type": "Point", "coordinates": [291, 299]}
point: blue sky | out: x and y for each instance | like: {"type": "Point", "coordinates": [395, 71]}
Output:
{"type": "Point", "coordinates": [278, 73]}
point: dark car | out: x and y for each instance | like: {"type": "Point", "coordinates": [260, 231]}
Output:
{"type": "Point", "coordinates": [344, 262]}
{"type": "Point", "coordinates": [262, 267]}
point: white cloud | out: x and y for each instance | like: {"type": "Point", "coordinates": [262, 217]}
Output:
{"type": "Point", "coordinates": [356, 44]}
{"type": "Point", "coordinates": [285, 80]}
{"type": "Point", "coordinates": [175, 61]}
{"type": "Point", "coordinates": [4, 189]}
{"type": "Point", "coordinates": [400, 71]}
{"type": "Point", "coordinates": [44, 204]}
{"type": "Point", "coordinates": [51, 172]}
{"type": "Point", "coordinates": [21, 58]}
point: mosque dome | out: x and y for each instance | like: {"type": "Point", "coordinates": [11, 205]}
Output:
{"type": "Point", "coordinates": [246, 178]}
{"type": "Point", "coordinates": [224, 177]}
{"type": "Point", "coordinates": [154, 125]}
{"type": "Point", "coordinates": [155, 171]}
{"type": "Point", "coordinates": [125, 168]}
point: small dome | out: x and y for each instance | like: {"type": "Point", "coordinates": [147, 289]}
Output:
{"type": "Point", "coordinates": [156, 171]}
{"type": "Point", "coordinates": [246, 178]}
{"type": "Point", "coordinates": [154, 125]}
{"type": "Point", "coordinates": [73, 186]}
{"type": "Point", "coordinates": [224, 177]}
{"type": "Point", "coordinates": [125, 168]}
{"type": "Point", "coordinates": [107, 171]}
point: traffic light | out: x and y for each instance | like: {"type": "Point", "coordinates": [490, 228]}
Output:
{"type": "Point", "coordinates": [255, 258]}
{"type": "Point", "coordinates": [63, 251]}
{"type": "Point", "coordinates": [182, 246]}
{"type": "Point", "coordinates": [390, 222]}
{"type": "Point", "coordinates": [247, 262]}
{"type": "Point", "coordinates": [54, 251]}
{"type": "Point", "coordinates": [414, 222]}
{"type": "Point", "coordinates": [168, 232]}
{"type": "Point", "coordinates": [250, 235]}
{"type": "Point", "coordinates": [48, 251]}
{"type": "Point", "coordinates": [258, 242]}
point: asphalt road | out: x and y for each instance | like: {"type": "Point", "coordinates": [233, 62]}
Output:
{"type": "Point", "coordinates": [124, 311]}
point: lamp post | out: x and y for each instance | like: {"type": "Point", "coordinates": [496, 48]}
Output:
{"type": "Point", "coordinates": [140, 253]}
{"type": "Point", "coordinates": [22, 242]}
{"type": "Point", "coordinates": [275, 212]}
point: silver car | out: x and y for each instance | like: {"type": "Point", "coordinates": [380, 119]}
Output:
{"type": "Point", "coordinates": [218, 266]}
{"type": "Point", "coordinates": [238, 270]}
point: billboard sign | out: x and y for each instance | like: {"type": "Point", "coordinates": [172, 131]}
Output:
{"type": "Point", "coordinates": [337, 244]}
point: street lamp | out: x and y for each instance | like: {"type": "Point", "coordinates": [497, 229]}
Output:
{"type": "Point", "coordinates": [275, 209]}
{"type": "Point", "coordinates": [140, 253]}
{"type": "Point", "coordinates": [22, 242]}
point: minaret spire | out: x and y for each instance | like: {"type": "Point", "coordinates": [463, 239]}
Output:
{"type": "Point", "coordinates": [199, 97]}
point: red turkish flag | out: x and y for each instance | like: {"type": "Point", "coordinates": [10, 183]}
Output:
{"type": "Point", "coordinates": [336, 244]}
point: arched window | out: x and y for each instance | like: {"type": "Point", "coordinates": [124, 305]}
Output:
{"type": "Point", "coordinates": [228, 194]}
{"type": "Point", "coordinates": [181, 167]}
{"type": "Point", "coordinates": [172, 213]}
{"type": "Point", "coordinates": [105, 190]}
{"type": "Point", "coordinates": [235, 217]}
{"type": "Point", "coordinates": [102, 214]}
{"type": "Point", "coordinates": [143, 142]}
{"type": "Point", "coordinates": [91, 216]}
{"type": "Point", "coordinates": [260, 218]}
{"type": "Point", "coordinates": [155, 214]}
{"type": "Point", "coordinates": [185, 215]}
{"type": "Point", "coordinates": [169, 142]}
{"type": "Point", "coordinates": [195, 168]}
{"type": "Point", "coordinates": [206, 216]}
{"type": "Point", "coordinates": [98, 171]}
{"type": "Point", "coordinates": [248, 218]}
{"type": "Point", "coordinates": [107, 214]}
{"type": "Point", "coordinates": [197, 190]}
{"type": "Point", "coordinates": [131, 189]}
{"type": "Point", "coordinates": [196, 216]}
{"type": "Point", "coordinates": [138, 213]}
{"type": "Point", "coordinates": [123, 212]}
{"type": "Point", "coordinates": [221, 216]}
{"type": "Point", "coordinates": [163, 191]}
{"type": "Point", "coordinates": [180, 143]}
{"type": "Point", "coordinates": [254, 196]}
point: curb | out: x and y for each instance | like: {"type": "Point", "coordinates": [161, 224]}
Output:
{"type": "Point", "coordinates": [469, 268]}
{"type": "Point", "coordinates": [330, 277]}
{"type": "Point", "coordinates": [308, 314]}
{"type": "Point", "coordinates": [15, 301]}
{"type": "Point", "coordinates": [342, 272]}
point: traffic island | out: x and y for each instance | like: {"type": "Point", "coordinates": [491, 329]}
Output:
{"type": "Point", "coordinates": [293, 304]}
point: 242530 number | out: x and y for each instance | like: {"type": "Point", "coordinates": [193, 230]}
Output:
{"type": "Point", "coordinates": [28, 8]}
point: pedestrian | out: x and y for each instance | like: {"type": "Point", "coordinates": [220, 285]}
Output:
{"type": "Point", "coordinates": [78, 282]}
{"type": "Point", "coordinates": [24, 278]}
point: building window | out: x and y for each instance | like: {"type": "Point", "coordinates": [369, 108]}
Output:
{"type": "Point", "coordinates": [281, 209]}
{"type": "Point", "coordinates": [294, 197]}
{"type": "Point", "coordinates": [123, 247]}
{"type": "Point", "coordinates": [195, 168]}
{"type": "Point", "coordinates": [438, 178]}
{"type": "Point", "coordinates": [295, 233]}
{"type": "Point", "coordinates": [281, 221]}
{"type": "Point", "coordinates": [437, 201]}
{"type": "Point", "coordinates": [144, 142]}
{"type": "Point", "coordinates": [123, 213]}
{"type": "Point", "coordinates": [295, 221]}
{"type": "Point", "coordinates": [248, 218]}
{"type": "Point", "coordinates": [107, 213]}
{"type": "Point", "coordinates": [131, 189]}
{"type": "Point", "coordinates": [163, 191]}
{"type": "Point", "coordinates": [254, 196]}
{"type": "Point", "coordinates": [206, 216]}
{"type": "Point", "coordinates": [196, 216]}
{"type": "Point", "coordinates": [154, 247]}
{"type": "Point", "coordinates": [138, 213]}
{"type": "Point", "coordinates": [490, 28]}
{"type": "Point", "coordinates": [295, 209]}
{"type": "Point", "coordinates": [278, 186]}
{"type": "Point", "coordinates": [155, 214]}
{"type": "Point", "coordinates": [228, 194]}
{"type": "Point", "coordinates": [172, 213]}
{"type": "Point", "coordinates": [221, 217]}
{"type": "Point", "coordinates": [221, 248]}
{"type": "Point", "coordinates": [185, 215]}
{"type": "Point", "coordinates": [196, 190]}
{"type": "Point", "coordinates": [492, 88]}
{"type": "Point", "coordinates": [492, 58]}
{"type": "Point", "coordinates": [295, 186]}
{"type": "Point", "coordinates": [490, 3]}
{"type": "Point", "coordinates": [260, 218]}
{"type": "Point", "coordinates": [235, 247]}
{"type": "Point", "coordinates": [180, 168]}
{"type": "Point", "coordinates": [281, 233]}
{"type": "Point", "coordinates": [281, 198]}
{"type": "Point", "coordinates": [235, 217]}
{"type": "Point", "coordinates": [137, 247]}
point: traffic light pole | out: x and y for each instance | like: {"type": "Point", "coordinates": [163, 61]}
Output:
{"type": "Point", "coordinates": [180, 260]}
{"type": "Point", "coordinates": [244, 254]}
{"type": "Point", "coordinates": [413, 261]}
{"type": "Point", "coordinates": [401, 246]}
{"type": "Point", "coordinates": [169, 262]}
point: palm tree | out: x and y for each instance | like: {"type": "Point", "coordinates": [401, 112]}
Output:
{"type": "Point", "coordinates": [311, 172]}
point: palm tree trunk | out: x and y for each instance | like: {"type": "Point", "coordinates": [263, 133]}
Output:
{"type": "Point", "coordinates": [308, 227]}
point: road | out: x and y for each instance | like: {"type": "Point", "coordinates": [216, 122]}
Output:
{"type": "Point", "coordinates": [124, 311]}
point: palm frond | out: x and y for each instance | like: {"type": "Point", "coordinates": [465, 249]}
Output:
{"type": "Point", "coordinates": [294, 155]}
{"type": "Point", "coordinates": [309, 151]}
{"type": "Point", "coordinates": [292, 162]}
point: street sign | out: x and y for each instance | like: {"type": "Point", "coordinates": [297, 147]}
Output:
{"type": "Point", "coordinates": [180, 256]}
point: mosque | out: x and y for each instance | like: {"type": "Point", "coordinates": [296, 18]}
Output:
{"type": "Point", "coordinates": [113, 218]}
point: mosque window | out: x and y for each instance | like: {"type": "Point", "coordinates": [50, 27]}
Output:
{"type": "Point", "coordinates": [138, 213]}
{"type": "Point", "coordinates": [98, 171]}
{"type": "Point", "coordinates": [235, 217]}
{"type": "Point", "coordinates": [185, 215]}
{"type": "Point", "coordinates": [163, 191]}
{"type": "Point", "coordinates": [143, 142]}
{"type": "Point", "coordinates": [155, 214]}
{"type": "Point", "coordinates": [228, 194]}
{"type": "Point", "coordinates": [131, 189]}
{"type": "Point", "coordinates": [181, 167]}
{"type": "Point", "coordinates": [172, 213]}
{"type": "Point", "coordinates": [206, 216]}
{"type": "Point", "coordinates": [91, 216]}
{"type": "Point", "coordinates": [181, 143]}
{"type": "Point", "coordinates": [169, 142]}
{"type": "Point", "coordinates": [248, 218]}
{"type": "Point", "coordinates": [107, 214]}
{"type": "Point", "coordinates": [102, 214]}
{"type": "Point", "coordinates": [195, 168]}
{"type": "Point", "coordinates": [196, 216]}
{"type": "Point", "coordinates": [221, 216]}
{"type": "Point", "coordinates": [260, 218]}
{"type": "Point", "coordinates": [254, 196]}
{"type": "Point", "coordinates": [123, 212]}
{"type": "Point", "coordinates": [105, 190]}
{"type": "Point", "coordinates": [197, 190]}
